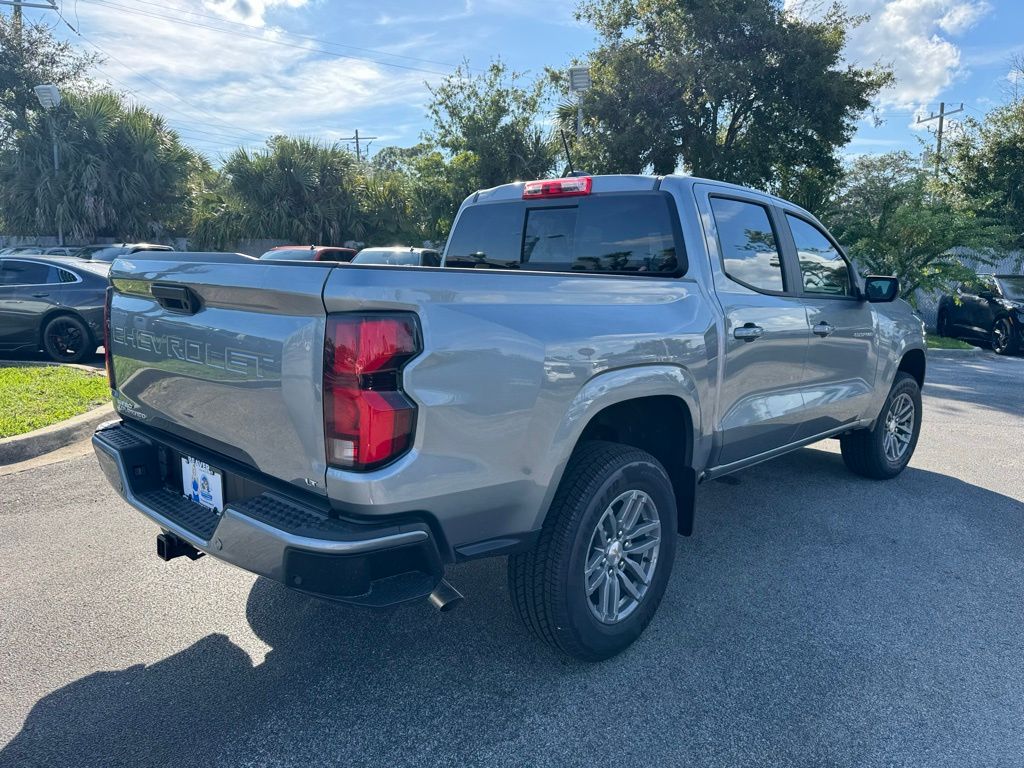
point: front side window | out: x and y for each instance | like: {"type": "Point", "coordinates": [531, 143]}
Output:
{"type": "Point", "coordinates": [610, 233]}
{"type": "Point", "coordinates": [750, 251]}
{"type": "Point", "coordinates": [15, 272]}
{"type": "Point", "coordinates": [822, 267]}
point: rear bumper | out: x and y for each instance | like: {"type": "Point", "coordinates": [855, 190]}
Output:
{"type": "Point", "coordinates": [273, 535]}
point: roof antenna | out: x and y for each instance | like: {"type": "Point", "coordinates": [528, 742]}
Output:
{"type": "Point", "coordinates": [568, 156]}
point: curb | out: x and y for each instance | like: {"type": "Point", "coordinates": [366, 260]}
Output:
{"type": "Point", "coordinates": [23, 447]}
{"type": "Point", "coordinates": [956, 354]}
{"type": "Point", "coordinates": [48, 364]}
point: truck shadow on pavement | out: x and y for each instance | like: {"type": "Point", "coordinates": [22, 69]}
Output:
{"type": "Point", "coordinates": [814, 619]}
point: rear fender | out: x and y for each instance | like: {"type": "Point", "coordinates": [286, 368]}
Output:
{"type": "Point", "coordinates": [618, 386]}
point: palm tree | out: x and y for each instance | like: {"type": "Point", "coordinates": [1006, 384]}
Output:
{"type": "Point", "coordinates": [123, 173]}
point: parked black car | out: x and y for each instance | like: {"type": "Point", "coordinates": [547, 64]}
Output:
{"type": "Point", "coordinates": [988, 308]}
{"type": "Point", "coordinates": [54, 303]}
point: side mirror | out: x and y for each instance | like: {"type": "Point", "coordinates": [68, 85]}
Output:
{"type": "Point", "coordinates": [986, 295]}
{"type": "Point", "coordinates": [881, 289]}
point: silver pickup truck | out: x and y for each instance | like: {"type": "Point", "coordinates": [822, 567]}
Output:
{"type": "Point", "coordinates": [590, 349]}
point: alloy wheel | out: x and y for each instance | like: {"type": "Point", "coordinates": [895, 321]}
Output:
{"type": "Point", "coordinates": [622, 556]}
{"type": "Point", "coordinates": [899, 427]}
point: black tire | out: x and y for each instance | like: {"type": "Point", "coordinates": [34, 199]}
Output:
{"type": "Point", "coordinates": [66, 339]}
{"type": "Point", "coordinates": [865, 450]}
{"type": "Point", "coordinates": [1002, 338]}
{"type": "Point", "coordinates": [548, 584]}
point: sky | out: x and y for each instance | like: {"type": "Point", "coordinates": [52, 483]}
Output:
{"type": "Point", "coordinates": [226, 73]}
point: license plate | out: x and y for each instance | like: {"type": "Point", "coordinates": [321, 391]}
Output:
{"type": "Point", "coordinates": [202, 483]}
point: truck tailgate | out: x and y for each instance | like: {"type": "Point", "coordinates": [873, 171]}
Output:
{"type": "Point", "coordinates": [225, 354]}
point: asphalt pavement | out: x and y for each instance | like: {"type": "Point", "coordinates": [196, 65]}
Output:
{"type": "Point", "coordinates": [815, 619]}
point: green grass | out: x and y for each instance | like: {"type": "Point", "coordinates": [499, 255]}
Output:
{"type": "Point", "coordinates": [37, 396]}
{"type": "Point", "coordinates": [941, 342]}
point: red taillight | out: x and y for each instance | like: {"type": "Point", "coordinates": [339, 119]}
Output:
{"type": "Point", "coordinates": [572, 187]}
{"type": "Point", "coordinates": [368, 420]}
{"type": "Point", "coordinates": [107, 352]}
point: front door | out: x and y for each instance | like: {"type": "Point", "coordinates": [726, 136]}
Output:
{"type": "Point", "coordinates": [842, 355]}
{"type": "Point", "coordinates": [766, 332]}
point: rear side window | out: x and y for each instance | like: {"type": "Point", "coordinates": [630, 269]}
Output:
{"type": "Point", "coordinates": [822, 267]}
{"type": "Point", "coordinates": [625, 233]}
{"type": "Point", "coordinates": [66, 277]}
{"type": "Point", "coordinates": [26, 273]}
{"type": "Point", "coordinates": [750, 250]}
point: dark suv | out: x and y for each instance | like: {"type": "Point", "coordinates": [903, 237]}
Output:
{"type": "Point", "coordinates": [987, 308]}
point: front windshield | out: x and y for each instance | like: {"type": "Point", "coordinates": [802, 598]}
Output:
{"type": "Point", "coordinates": [383, 256]}
{"type": "Point", "coordinates": [1012, 287]}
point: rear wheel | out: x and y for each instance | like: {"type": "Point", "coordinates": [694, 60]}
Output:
{"type": "Point", "coordinates": [67, 340]}
{"type": "Point", "coordinates": [601, 566]}
{"type": "Point", "coordinates": [1002, 340]}
{"type": "Point", "coordinates": [884, 451]}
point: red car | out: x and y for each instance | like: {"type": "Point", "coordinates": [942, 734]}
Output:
{"type": "Point", "coordinates": [309, 253]}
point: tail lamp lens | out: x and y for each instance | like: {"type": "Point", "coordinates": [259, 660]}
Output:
{"type": "Point", "coordinates": [368, 419]}
{"type": "Point", "coordinates": [108, 354]}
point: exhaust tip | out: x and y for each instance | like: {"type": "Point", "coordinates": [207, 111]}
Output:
{"type": "Point", "coordinates": [445, 597]}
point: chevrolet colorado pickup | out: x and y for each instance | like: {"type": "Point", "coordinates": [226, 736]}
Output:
{"type": "Point", "coordinates": [590, 349]}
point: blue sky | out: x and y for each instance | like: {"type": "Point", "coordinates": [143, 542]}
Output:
{"type": "Point", "coordinates": [231, 72]}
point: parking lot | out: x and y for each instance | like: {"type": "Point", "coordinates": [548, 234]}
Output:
{"type": "Point", "coordinates": [814, 619]}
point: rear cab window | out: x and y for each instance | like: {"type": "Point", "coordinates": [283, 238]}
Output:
{"type": "Point", "coordinates": [634, 233]}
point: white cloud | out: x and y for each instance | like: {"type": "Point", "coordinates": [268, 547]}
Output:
{"type": "Point", "coordinates": [248, 11]}
{"type": "Point", "coordinates": [222, 89]}
{"type": "Point", "coordinates": [915, 37]}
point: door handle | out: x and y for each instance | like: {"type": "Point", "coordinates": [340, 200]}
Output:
{"type": "Point", "coordinates": [823, 329]}
{"type": "Point", "coordinates": [39, 295]}
{"type": "Point", "coordinates": [748, 332]}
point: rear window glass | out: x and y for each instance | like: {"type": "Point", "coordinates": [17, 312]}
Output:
{"type": "Point", "coordinates": [293, 254]}
{"type": "Point", "coordinates": [625, 233]}
{"type": "Point", "coordinates": [387, 257]}
{"type": "Point", "coordinates": [108, 254]}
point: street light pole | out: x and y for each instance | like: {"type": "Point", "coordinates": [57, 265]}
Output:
{"type": "Point", "coordinates": [579, 81]}
{"type": "Point", "coordinates": [49, 99]}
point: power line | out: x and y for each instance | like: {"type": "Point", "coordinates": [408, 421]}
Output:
{"type": "Point", "coordinates": [226, 136]}
{"type": "Point", "coordinates": [269, 41]}
{"type": "Point", "coordinates": [171, 93]}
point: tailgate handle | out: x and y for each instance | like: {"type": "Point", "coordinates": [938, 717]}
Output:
{"type": "Point", "coordinates": [175, 298]}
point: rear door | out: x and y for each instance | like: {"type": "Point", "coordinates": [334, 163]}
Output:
{"type": "Point", "coordinates": [226, 355]}
{"type": "Point", "coordinates": [27, 290]}
{"type": "Point", "coordinates": [842, 356]}
{"type": "Point", "coordinates": [766, 332]}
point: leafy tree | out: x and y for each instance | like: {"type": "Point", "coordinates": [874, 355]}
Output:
{"type": "Point", "coordinates": [491, 124]}
{"type": "Point", "coordinates": [740, 91]}
{"type": "Point", "coordinates": [123, 172]}
{"type": "Point", "coordinates": [986, 166]}
{"type": "Point", "coordinates": [29, 56]}
{"type": "Point", "coordinates": [890, 216]}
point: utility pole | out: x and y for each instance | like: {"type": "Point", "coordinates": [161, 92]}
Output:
{"type": "Point", "coordinates": [357, 138]}
{"type": "Point", "coordinates": [50, 5]}
{"type": "Point", "coordinates": [941, 117]}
